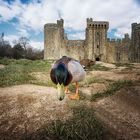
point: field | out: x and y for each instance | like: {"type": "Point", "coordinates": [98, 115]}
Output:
{"type": "Point", "coordinates": [108, 108]}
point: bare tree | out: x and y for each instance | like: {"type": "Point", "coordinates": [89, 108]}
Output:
{"type": "Point", "coordinates": [2, 38]}
{"type": "Point", "coordinates": [24, 42]}
{"type": "Point", "coordinates": [18, 51]}
{"type": "Point", "coordinates": [5, 47]}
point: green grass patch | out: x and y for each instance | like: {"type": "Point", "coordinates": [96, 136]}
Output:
{"type": "Point", "coordinates": [18, 71]}
{"type": "Point", "coordinates": [127, 65]}
{"type": "Point", "coordinates": [99, 67]}
{"type": "Point", "coordinates": [6, 61]}
{"type": "Point", "coordinates": [82, 126]}
{"type": "Point", "coordinates": [14, 75]}
{"type": "Point", "coordinates": [92, 80]}
{"type": "Point", "coordinates": [112, 88]}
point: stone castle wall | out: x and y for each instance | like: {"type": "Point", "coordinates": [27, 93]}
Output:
{"type": "Point", "coordinates": [75, 49]}
{"type": "Point", "coordinates": [118, 50]}
{"type": "Point", "coordinates": [135, 43]}
{"type": "Point", "coordinates": [96, 46]}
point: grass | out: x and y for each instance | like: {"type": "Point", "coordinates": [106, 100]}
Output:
{"type": "Point", "coordinates": [82, 126]}
{"type": "Point", "coordinates": [93, 80]}
{"type": "Point", "coordinates": [127, 65]}
{"type": "Point", "coordinates": [13, 75]}
{"type": "Point", "coordinates": [18, 71]}
{"type": "Point", "coordinates": [99, 67]}
{"type": "Point", "coordinates": [96, 80]}
{"type": "Point", "coordinates": [112, 88]}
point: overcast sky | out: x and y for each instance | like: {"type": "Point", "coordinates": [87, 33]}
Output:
{"type": "Point", "coordinates": [27, 17]}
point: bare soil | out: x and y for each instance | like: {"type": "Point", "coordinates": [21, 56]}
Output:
{"type": "Point", "coordinates": [26, 108]}
{"type": "Point", "coordinates": [121, 113]}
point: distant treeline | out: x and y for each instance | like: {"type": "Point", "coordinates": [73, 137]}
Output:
{"type": "Point", "coordinates": [20, 50]}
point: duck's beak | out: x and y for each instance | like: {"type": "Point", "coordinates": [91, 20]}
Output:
{"type": "Point", "coordinates": [60, 90]}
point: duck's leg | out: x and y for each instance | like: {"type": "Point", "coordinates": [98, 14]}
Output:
{"type": "Point", "coordinates": [67, 90]}
{"type": "Point", "coordinates": [76, 95]}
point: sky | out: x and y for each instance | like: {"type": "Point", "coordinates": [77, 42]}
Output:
{"type": "Point", "coordinates": [27, 17]}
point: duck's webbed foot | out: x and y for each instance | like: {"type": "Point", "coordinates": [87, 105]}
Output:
{"type": "Point", "coordinates": [76, 95]}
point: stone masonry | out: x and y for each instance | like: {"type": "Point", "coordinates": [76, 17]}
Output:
{"type": "Point", "coordinates": [96, 45]}
{"type": "Point", "coordinates": [135, 43]}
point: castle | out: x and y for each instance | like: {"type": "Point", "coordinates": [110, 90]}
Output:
{"type": "Point", "coordinates": [96, 45]}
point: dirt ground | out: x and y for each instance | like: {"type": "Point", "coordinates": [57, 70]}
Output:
{"type": "Point", "coordinates": [121, 113]}
{"type": "Point", "coordinates": [28, 107]}
{"type": "Point", "coordinates": [25, 108]}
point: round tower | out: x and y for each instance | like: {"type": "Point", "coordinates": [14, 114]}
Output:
{"type": "Point", "coordinates": [53, 38]}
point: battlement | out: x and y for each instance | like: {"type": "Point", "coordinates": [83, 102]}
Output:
{"type": "Point", "coordinates": [97, 24]}
{"type": "Point", "coordinates": [118, 40]}
{"type": "Point", "coordinates": [126, 36]}
{"type": "Point", "coordinates": [51, 26]}
{"type": "Point", "coordinates": [135, 25]}
{"type": "Point", "coordinates": [89, 21]}
{"type": "Point", "coordinates": [59, 24]}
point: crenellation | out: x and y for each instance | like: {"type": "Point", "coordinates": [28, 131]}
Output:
{"type": "Point", "coordinates": [126, 36]}
{"type": "Point", "coordinates": [60, 23]}
{"type": "Point", "coordinates": [135, 25]}
{"type": "Point", "coordinates": [50, 26]}
{"type": "Point", "coordinates": [101, 24]}
{"type": "Point", "coordinates": [89, 22]}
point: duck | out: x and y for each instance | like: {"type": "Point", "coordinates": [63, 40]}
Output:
{"type": "Point", "coordinates": [65, 71]}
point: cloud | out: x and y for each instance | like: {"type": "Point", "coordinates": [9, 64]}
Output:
{"type": "Point", "coordinates": [11, 38]}
{"type": "Point", "coordinates": [23, 32]}
{"type": "Point", "coordinates": [36, 15]}
{"type": "Point", "coordinates": [9, 11]}
{"type": "Point", "coordinates": [33, 15]}
{"type": "Point", "coordinates": [37, 45]}
{"type": "Point", "coordinates": [76, 35]}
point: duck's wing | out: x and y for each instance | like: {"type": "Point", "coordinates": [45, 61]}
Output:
{"type": "Point", "coordinates": [65, 60]}
{"type": "Point", "coordinates": [77, 71]}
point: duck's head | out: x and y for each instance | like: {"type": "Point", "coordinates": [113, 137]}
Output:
{"type": "Point", "coordinates": [61, 74]}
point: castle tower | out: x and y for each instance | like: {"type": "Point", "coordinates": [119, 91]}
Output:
{"type": "Point", "coordinates": [53, 39]}
{"type": "Point", "coordinates": [89, 39]}
{"type": "Point", "coordinates": [135, 43]}
{"type": "Point", "coordinates": [96, 38]}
